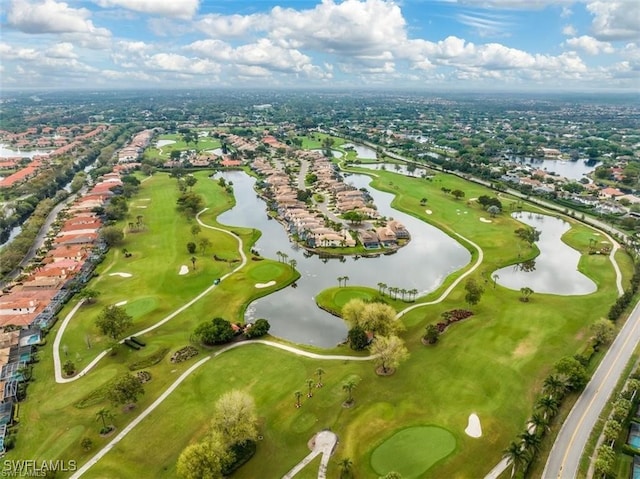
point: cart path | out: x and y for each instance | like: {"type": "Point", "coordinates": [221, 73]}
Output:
{"type": "Point", "coordinates": [299, 352]}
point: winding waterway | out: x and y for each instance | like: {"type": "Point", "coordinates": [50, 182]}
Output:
{"type": "Point", "coordinates": [423, 264]}
{"type": "Point", "coordinates": [556, 268]}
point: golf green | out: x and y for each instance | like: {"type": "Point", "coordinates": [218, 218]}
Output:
{"type": "Point", "coordinates": [266, 271]}
{"type": "Point", "coordinates": [412, 451]}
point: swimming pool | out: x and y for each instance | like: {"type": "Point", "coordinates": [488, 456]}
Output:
{"type": "Point", "coordinates": [634, 437]}
{"type": "Point", "coordinates": [30, 340]}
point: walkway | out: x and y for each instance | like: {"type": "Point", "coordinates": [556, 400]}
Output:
{"type": "Point", "coordinates": [299, 352]}
{"type": "Point", "coordinates": [60, 333]}
{"type": "Point", "coordinates": [323, 443]}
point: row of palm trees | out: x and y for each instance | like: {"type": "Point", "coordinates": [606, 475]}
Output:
{"type": "Point", "coordinates": [310, 383]}
{"type": "Point", "coordinates": [284, 258]}
{"type": "Point", "coordinates": [520, 453]}
{"type": "Point", "coordinates": [393, 292]}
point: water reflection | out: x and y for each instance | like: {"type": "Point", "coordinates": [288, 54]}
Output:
{"type": "Point", "coordinates": [422, 265]}
{"type": "Point", "coordinates": [555, 269]}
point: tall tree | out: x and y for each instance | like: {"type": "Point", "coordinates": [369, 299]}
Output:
{"type": "Point", "coordinates": [235, 417]}
{"type": "Point", "coordinates": [125, 390]}
{"type": "Point", "coordinates": [390, 351]}
{"type": "Point", "coordinates": [319, 373]}
{"type": "Point", "coordinates": [516, 456]}
{"type": "Point", "coordinates": [348, 386]}
{"type": "Point", "coordinates": [203, 460]}
{"type": "Point", "coordinates": [474, 292]}
{"type": "Point", "coordinates": [113, 321]}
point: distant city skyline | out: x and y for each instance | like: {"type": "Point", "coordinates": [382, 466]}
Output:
{"type": "Point", "coordinates": [477, 45]}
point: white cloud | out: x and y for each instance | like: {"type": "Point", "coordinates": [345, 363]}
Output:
{"type": "Point", "coordinates": [615, 19]}
{"type": "Point", "coordinates": [49, 16]}
{"type": "Point", "coordinates": [219, 26]}
{"type": "Point", "coordinates": [590, 45]}
{"type": "Point", "coordinates": [566, 12]}
{"type": "Point", "coordinates": [61, 50]}
{"type": "Point", "coordinates": [511, 4]}
{"type": "Point", "coordinates": [569, 30]}
{"type": "Point", "coordinates": [172, 62]}
{"type": "Point", "coordinates": [171, 8]}
{"type": "Point", "coordinates": [486, 24]}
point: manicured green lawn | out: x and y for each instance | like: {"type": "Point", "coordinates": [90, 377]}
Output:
{"type": "Point", "coordinates": [492, 363]}
{"type": "Point", "coordinates": [412, 451]}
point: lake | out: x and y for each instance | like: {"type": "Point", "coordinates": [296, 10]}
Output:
{"type": "Point", "coordinates": [423, 264]}
{"type": "Point", "coordinates": [556, 267]}
{"type": "Point", "coordinates": [362, 151]}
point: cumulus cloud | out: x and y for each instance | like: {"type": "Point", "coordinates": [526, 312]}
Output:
{"type": "Point", "coordinates": [615, 19]}
{"type": "Point", "coordinates": [49, 16]}
{"type": "Point", "coordinates": [61, 50]}
{"type": "Point", "coordinates": [590, 45]}
{"type": "Point", "coordinates": [172, 62]}
{"type": "Point", "coordinates": [172, 8]}
{"type": "Point", "coordinates": [569, 30]}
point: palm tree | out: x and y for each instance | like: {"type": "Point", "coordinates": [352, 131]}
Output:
{"type": "Point", "coordinates": [298, 395]}
{"type": "Point", "coordinates": [539, 422]}
{"type": "Point", "coordinates": [293, 263]}
{"type": "Point", "coordinates": [279, 255]}
{"type": "Point", "coordinates": [339, 278]}
{"type": "Point", "coordinates": [348, 386]}
{"type": "Point", "coordinates": [554, 386]}
{"type": "Point", "coordinates": [309, 387]}
{"type": "Point", "coordinates": [345, 468]}
{"type": "Point", "coordinates": [319, 373]}
{"type": "Point", "coordinates": [104, 415]}
{"type": "Point", "coordinates": [345, 278]}
{"type": "Point", "coordinates": [516, 456]}
{"type": "Point", "coordinates": [193, 261]}
{"type": "Point", "coordinates": [548, 405]}
{"type": "Point", "coordinates": [285, 257]}
{"type": "Point", "coordinates": [381, 287]}
{"type": "Point", "coordinates": [530, 442]}
{"type": "Point", "coordinates": [495, 277]}
{"type": "Point", "coordinates": [525, 292]}
{"type": "Point", "coordinates": [413, 292]}
{"type": "Point", "coordinates": [403, 292]}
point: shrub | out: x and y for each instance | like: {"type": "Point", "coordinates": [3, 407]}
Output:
{"type": "Point", "coordinates": [152, 360]}
{"type": "Point", "coordinates": [357, 338]}
{"type": "Point", "coordinates": [258, 329]}
{"type": "Point", "coordinates": [241, 454]}
{"type": "Point", "coordinates": [216, 331]}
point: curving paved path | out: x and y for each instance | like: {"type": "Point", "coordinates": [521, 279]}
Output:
{"type": "Point", "coordinates": [56, 350]}
{"type": "Point", "coordinates": [323, 443]}
{"type": "Point", "coordinates": [299, 352]}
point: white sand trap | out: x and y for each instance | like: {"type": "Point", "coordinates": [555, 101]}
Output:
{"type": "Point", "coordinates": [121, 303]}
{"type": "Point", "coordinates": [429, 212]}
{"type": "Point", "coordinates": [184, 269]}
{"type": "Point", "coordinates": [145, 199]}
{"type": "Point", "coordinates": [141, 206]}
{"type": "Point", "coordinates": [122, 275]}
{"type": "Point", "coordinates": [473, 428]}
{"type": "Point", "coordinates": [485, 220]}
{"type": "Point", "coordinates": [265, 285]}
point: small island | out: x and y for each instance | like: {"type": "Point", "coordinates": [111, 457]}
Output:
{"type": "Point", "coordinates": [306, 192]}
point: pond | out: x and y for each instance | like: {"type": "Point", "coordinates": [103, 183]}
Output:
{"type": "Point", "coordinates": [362, 151]}
{"type": "Point", "coordinates": [400, 168]}
{"type": "Point", "coordinates": [6, 152]}
{"type": "Point", "coordinates": [335, 153]}
{"type": "Point", "coordinates": [161, 143]}
{"type": "Point", "coordinates": [574, 170]}
{"type": "Point", "coordinates": [423, 265]}
{"type": "Point", "coordinates": [555, 268]}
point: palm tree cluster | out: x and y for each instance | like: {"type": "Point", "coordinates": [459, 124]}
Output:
{"type": "Point", "coordinates": [310, 383]}
{"type": "Point", "coordinates": [392, 292]}
{"type": "Point", "coordinates": [520, 453]}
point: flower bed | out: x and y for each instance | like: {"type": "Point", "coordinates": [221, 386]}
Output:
{"type": "Point", "coordinates": [183, 354]}
{"type": "Point", "coordinates": [452, 316]}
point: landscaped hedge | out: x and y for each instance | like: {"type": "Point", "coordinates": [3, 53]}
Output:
{"type": "Point", "coordinates": [242, 452]}
{"type": "Point", "coordinates": [152, 360]}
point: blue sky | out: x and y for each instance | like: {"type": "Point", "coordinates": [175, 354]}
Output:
{"type": "Point", "coordinates": [429, 44]}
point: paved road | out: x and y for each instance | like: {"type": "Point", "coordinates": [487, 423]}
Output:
{"type": "Point", "coordinates": [565, 455]}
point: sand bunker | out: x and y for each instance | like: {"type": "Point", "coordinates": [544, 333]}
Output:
{"type": "Point", "coordinates": [473, 428]}
{"type": "Point", "coordinates": [485, 220]}
{"type": "Point", "coordinates": [141, 206]}
{"type": "Point", "coordinates": [122, 275]}
{"type": "Point", "coordinates": [265, 285]}
{"type": "Point", "coordinates": [428, 212]}
{"type": "Point", "coordinates": [184, 269]}
{"type": "Point", "coordinates": [121, 303]}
